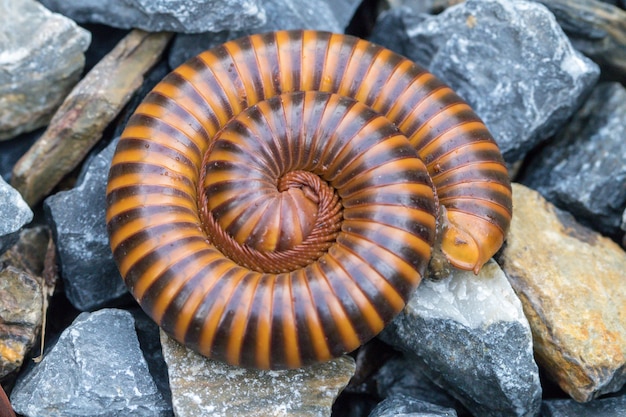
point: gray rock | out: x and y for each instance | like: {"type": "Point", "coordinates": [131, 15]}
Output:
{"type": "Point", "coordinates": [77, 220]}
{"type": "Point", "coordinates": [405, 406]}
{"type": "Point", "coordinates": [583, 169]}
{"type": "Point", "coordinates": [41, 58]}
{"type": "Point", "coordinates": [391, 28]}
{"type": "Point", "coordinates": [14, 214]}
{"type": "Point", "coordinates": [609, 407]}
{"type": "Point", "coordinates": [595, 28]}
{"type": "Point", "coordinates": [404, 376]}
{"type": "Point", "coordinates": [329, 15]}
{"type": "Point", "coordinates": [470, 336]}
{"type": "Point", "coordinates": [164, 15]}
{"type": "Point", "coordinates": [201, 386]}
{"type": "Point", "coordinates": [95, 369]}
{"type": "Point", "coordinates": [512, 63]}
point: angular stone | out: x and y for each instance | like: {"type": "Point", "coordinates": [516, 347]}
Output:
{"type": "Point", "coordinates": [77, 219]}
{"type": "Point", "coordinates": [403, 375]}
{"type": "Point", "coordinates": [164, 15]}
{"type": "Point", "coordinates": [596, 28]}
{"type": "Point", "coordinates": [513, 64]}
{"type": "Point", "coordinates": [22, 291]}
{"type": "Point", "coordinates": [95, 369]}
{"type": "Point", "coordinates": [406, 406]}
{"type": "Point", "coordinates": [14, 214]}
{"type": "Point", "coordinates": [391, 28]}
{"type": "Point", "coordinates": [571, 283]}
{"type": "Point", "coordinates": [85, 113]}
{"type": "Point", "coordinates": [332, 16]}
{"type": "Point", "coordinates": [41, 58]}
{"type": "Point", "coordinates": [583, 169]}
{"type": "Point", "coordinates": [202, 386]}
{"type": "Point", "coordinates": [471, 338]}
{"type": "Point", "coordinates": [612, 406]}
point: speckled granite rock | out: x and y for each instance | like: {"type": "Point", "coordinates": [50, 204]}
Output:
{"type": "Point", "coordinates": [95, 369]}
{"type": "Point", "coordinates": [596, 28]}
{"type": "Point", "coordinates": [404, 406]}
{"type": "Point", "coordinates": [41, 58]}
{"type": "Point", "coordinates": [201, 386]}
{"type": "Point", "coordinates": [469, 335]}
{"type": "Point", "coordinates": [571, 283]}
{"type": "Point", "coordinates": [14, 214]}
{"type": "Point", "coordinates": [330, 15]}
{"type": "Point", "coordinates": [511, 61]}
{"type": "Point", "coordinates": [77, 219]}
{"type": "Point", "coordinates": [164, 15]}
{"type": "Point", "coordinates": [403, 376]}
{"type": "Point", "coordinates": [583, 169]}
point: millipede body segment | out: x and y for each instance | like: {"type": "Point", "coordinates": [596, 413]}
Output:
{"type": "Point", "coordinates": [273, 202]}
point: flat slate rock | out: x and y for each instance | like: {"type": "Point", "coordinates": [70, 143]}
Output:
{"type": "Point", "coordinates": [469, 334]}
{"type": "Point", "coordinates": [201, 386]}
{"type": "Point", "coordinates": [511, 61]}
{"type": "Point", "coordinates": [41, 58]}
{"type": "Point", "coordinates": [583, 169]}
{"type": "Point", "coordinates": [95, 369]}
{"type": "Point", "coordinates": [77, 219]}
{"type": "Point", "coordinates": [14, 214]}
{"type": "Point", "coordinates": [164, 15]}
{"type": "Point", "coordinates": [570, 280]}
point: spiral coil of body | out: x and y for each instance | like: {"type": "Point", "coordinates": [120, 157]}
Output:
{"type": "Point", "coordinates": [271, 202]}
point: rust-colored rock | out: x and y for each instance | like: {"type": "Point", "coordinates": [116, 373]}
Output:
{"type": "Point", "coordinates": [85, 113]}
{"type": "Point", "coordinates": [26, 281]}
{"type": "Point", "coordinates": [572, 283]}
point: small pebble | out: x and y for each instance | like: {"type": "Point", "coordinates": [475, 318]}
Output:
{"type": "Point", "coordinates": [14, 214]}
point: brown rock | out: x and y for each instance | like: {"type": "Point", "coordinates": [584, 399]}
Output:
{"type": "Point", "coordinates": [24, 289]}
{"type": "Point", "coordinates": [85, 113]}
{"type": "Point", "coordinates": [572, 283]}
{"type": "Point", "coordinates": [202, 386]}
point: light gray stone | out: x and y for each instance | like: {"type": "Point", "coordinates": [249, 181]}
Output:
{"type": "Point", "coordinates": [583, 169]}
{"type": "Point", "coordinates": [201, 386]}
{"type": "Point", "coordinates": [511, 61]}
{"type": "Point", "coordinates": [77, 219]}
{"type": "Point", "coordinates": [328, 15]}
{"type": "Point", "coordinates": [470, 336]}
{"type": "Point", "coordinates": [95, 369]}
{"type": "Point", "coordinates": [405, 406]}
{"type": "Point", "coordinates": [188, 16]}
{"type": "Point", "coordinates": [41, 58]}
{"type": "Point", "coordinates": [14, 214]}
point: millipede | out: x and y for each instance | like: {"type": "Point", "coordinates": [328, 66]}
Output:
{"type": "Point", "coordinates": [274, 201]}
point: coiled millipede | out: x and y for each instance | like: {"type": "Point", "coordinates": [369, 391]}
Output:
{"type": "Point", "coordinates": [268, 205]}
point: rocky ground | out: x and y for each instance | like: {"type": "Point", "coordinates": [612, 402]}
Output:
{"type": "Point", "coordinates": [541, 331]}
